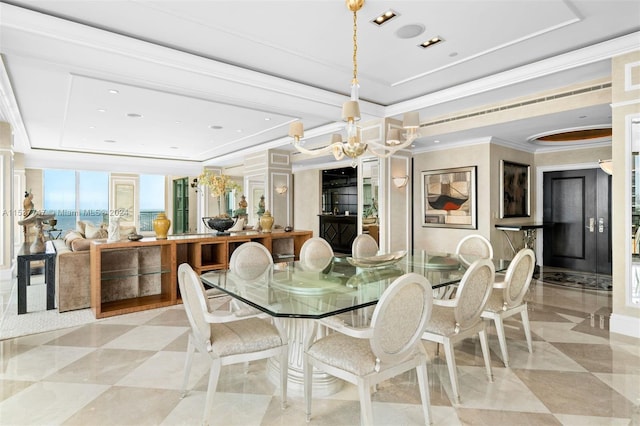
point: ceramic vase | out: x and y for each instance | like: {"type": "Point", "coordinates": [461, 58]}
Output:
{"type": "Point", "coordinates": [266, 221]}
{"type": "Point", "coordinates": [161, 226]}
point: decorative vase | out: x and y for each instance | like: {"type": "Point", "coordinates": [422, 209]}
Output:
{"type": "Point", "coordinates": [266, 221]}
{"type": "Point", "coordinates": [219, 224]}
{"type": "Point", "coordinates": [161, 226]}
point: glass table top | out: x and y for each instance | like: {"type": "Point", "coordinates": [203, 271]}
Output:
{"type": "Point", "coordinates": [334, 285]}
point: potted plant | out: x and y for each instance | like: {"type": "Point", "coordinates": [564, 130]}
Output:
{"type": "Point", "coordinates": [219, 186]}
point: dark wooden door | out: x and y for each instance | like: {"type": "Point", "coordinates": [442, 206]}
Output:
{"type": "Point", "coordinates": [577, 217]}
{"type": "Point", "coordinates": [180, 206]}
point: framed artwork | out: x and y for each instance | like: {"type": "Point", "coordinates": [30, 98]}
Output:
{"type": "Point", "coordinates": [449, 198]}
{"type": "Point", "coordinates": [515, 189]}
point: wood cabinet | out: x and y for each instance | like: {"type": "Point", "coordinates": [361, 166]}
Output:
{"type": "Point", "coordinates": [130, 276]}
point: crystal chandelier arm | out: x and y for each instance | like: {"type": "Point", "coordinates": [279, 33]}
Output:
{"type": "Point", "coordinates": [384, 151]}
{"type": "Point", "coordinates": [329, 148]}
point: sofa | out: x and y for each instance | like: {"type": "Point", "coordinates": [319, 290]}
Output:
{"type": "Point", "coordinates": [73, 269]}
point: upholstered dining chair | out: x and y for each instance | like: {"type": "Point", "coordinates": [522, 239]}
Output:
{"type": "Point", "coordinates": [389, 346]}
{"type": "Point", "coordinates": [507, 298]}
{"type": "Point", "coordinates": [316, 254]}
{"type": "Point", "coordinates": [364, 245]}
{"type": "Point", "coordinates": [226, 339]}
{"type": "Point", "coordinates": [474, 245]}
{"type": "Point", "coordinates": [456, 319]}
{"type": "Point", "coordinates": [248, 262]}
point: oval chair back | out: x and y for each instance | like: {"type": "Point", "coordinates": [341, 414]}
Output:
{"type": "Point", "coordinates": [364, 245]}
{"type": "Point", "coordinates": [473, 292]}
{"type": "Point", "coordinates": [250, 260]}
{"type": "Point", "coordinates": [518, 278]}
{"type": "Point", "coordinates": [195, 305]}
{"type": "Point", "coordinates": [476, 246]}
{"type": "Point", "coordinates": [316, 254]}
{"type": "Point", "coordinates": [400, 318]}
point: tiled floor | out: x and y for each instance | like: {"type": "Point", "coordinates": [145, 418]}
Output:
{"type": "Point", "coordinates": [127, 371]}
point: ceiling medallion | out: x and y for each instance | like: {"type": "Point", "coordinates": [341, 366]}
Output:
{"type": "Point", "coordinates": [354, 146]}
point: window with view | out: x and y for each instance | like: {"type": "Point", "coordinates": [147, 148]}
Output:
{"type": "Point", "coordinates": [152, 199]}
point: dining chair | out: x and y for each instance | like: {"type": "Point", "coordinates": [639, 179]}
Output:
{"type": "Point", "coordinates": [364, 245]}
{"type": "Point", "coordinates": [456, 319]}
{"type": "Point", "coordinates": [474, 245]}
{"type": "Point", "coordinates": [226, 339]}
{"type": "Point", "coordinates": [389, 346]}
{"type": "Point", "coordinates": [316, 254]}
{"type": "Point", "coordinates": [507, 298]}
{"type": "Point", "coordinates": [249, 262]}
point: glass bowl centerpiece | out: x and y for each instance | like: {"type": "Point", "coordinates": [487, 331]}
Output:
{"type": "Point", "coordinates": [220, 186]}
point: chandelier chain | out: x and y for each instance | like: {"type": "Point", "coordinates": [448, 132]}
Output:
{"type": "Point", "coordinates": [355, 47]}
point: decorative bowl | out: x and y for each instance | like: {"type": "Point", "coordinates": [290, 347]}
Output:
{"type": "Point", "coordinates": [134, 237]}
{"type": "Point", "coordinates": [377, 261]}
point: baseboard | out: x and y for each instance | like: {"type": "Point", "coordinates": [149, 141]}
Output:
{"type": "Point", "coordinates": [622, 324]}
{"type": "Point", "coordinates": [7, 274]}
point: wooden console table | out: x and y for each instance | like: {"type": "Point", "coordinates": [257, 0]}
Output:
{"type": "Point", "coordinates": [143, 279]}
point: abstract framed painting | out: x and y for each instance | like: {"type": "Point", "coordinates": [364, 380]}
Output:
{"type": "Point", "coordinates": [515, 189]}
{"type": "Point", "coordinates": [449, 198]}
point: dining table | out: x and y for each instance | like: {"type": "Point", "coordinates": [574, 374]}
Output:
{"type": "Point", "coordinates": [339, 288]}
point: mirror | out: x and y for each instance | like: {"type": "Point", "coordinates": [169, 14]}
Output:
{"type": "Point", "coordinates": [634, 294]}
{"type": "Point", "coordinates": [368, 200]}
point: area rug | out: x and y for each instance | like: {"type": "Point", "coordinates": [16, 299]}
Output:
{"type": "Point", "coordinates": [38, 319]}
{"type": "Point", "coordinates": [582, 280]}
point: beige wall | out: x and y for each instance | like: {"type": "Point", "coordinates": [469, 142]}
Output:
{"type": "Point", "coordinates": [446, 239]}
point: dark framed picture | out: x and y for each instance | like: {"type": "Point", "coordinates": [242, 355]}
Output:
{"type": "Point", "coordinates": [515, 189]}
{"type": "Point", "coordinates": [449, 198]}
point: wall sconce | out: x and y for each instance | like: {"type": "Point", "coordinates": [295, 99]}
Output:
{"type": "Point", "coordinates": [607, 166]}
{"type": "Point", "coordinates": [281, 189]}
{"type": "Point", "coordinates": [400, 181]}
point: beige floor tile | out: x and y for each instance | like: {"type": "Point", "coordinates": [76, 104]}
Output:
{"type": "Point", "coordinates": [172, 317]}
{"type": "Point", "coordinates": [92, 335]}
{"type": "Point", "coordinates": [102, 366]}
{"type": "Point", "coordinates": [146, 338]}
{"type": "Point", "coordinates": [164, 370]}
{"type": "Point", "coordinates": [575, 393]}
{"type": "Point", "coordinates": [41, 361]}
{"type": "Point", "coordinates": [470, 416]}
{"type": "Point", "coordinates": [601, 358]}
{"type": "Point", "coordinates": [562, 332]}
{"type": "Point", "coordinates": [47, 403]}
{"type": "Point", "coordinates": [11, 387]}
{"type": "Point", "coordinates": [625, 384]}
{"type": "Point", "coordinates": [569, 420]}
{"type": "Point", "coordinates": [126, 406]}
{"type": "Point", "coordinates": [545, 356]}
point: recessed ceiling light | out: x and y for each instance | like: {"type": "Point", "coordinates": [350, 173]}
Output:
{"type": "Point", "coordinates": [109, 141]}
{"type": "Point", "coordinates": [385, 17]}
{"type": "Point", "coordinates": [173, 147]}
{"type": "Point", "coordinates": [267, 119]}
{"type": "Point", "coordinates": [102, 110]}
{"type": "Point", "coordinates": [92, 127]}
{"type": "Point", "coordinates": [582, 116]}
{"type": "Point", "coordinates": [214, 127]}
{"type": "Point", "coordinates": [410, 31]}
{"type": "Point", "coordinates": [178, 122]}
{"type": "Point", "coordinates": [239, 130]}
{"type": "Point", "coordinates": [436, 141]}
{"type": "Point", "coordinates": [453, 54]}
{"type": "Point", "coordinates": [430, 42]}
{"type": "Point", "coordinates": [134, 115]}
{"type": "Point", "coordinates": [113, 91]}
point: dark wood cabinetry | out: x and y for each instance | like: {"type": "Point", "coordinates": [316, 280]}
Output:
{"type": "Point", "coordinates": [339, 231]}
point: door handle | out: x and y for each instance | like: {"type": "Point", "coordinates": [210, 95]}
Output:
{"type": "Point", "coordinates": [601, 224]}
{"type": "Point", "coordinates": [592, 224]}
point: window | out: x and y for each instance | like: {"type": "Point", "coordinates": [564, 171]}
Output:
{"type": "Point", "coordinates": [93, 196]}
{"type": "Point", "coordinates": [152, 199]}
{"type": "Point", "coordinates": [60, 197]}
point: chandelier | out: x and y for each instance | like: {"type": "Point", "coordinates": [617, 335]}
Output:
{"type": "Point", "coordinates": [353, 147]}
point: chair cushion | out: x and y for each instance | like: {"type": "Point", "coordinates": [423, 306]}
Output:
{"type": "Point", "coordinates": [244, 336]}
{"type": "Point", "coordinates": [345, 352]}
{"type": "Point", "coordinates": [442, 321]}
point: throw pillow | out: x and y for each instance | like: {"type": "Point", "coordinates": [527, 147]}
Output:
{"type": "Point", "coordinates": [80, 225]}
{"type": "Point", "coordinates": [70, 237]}
{"type": "Point", "coordinates": [81, 245]}
{"type": "Point", "coordinates": [92, 231]}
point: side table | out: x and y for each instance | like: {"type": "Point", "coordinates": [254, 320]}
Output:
{"type": "Point", "coordinates": [25, 257]}
{"type": "Point", "coordinates": [529, 238]}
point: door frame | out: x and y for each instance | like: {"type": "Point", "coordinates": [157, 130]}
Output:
{"type": "Point", "coordinates": [540, 189]}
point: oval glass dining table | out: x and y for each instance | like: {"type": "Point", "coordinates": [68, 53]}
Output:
{"type": "Point", "coordinates": [340, 288]}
